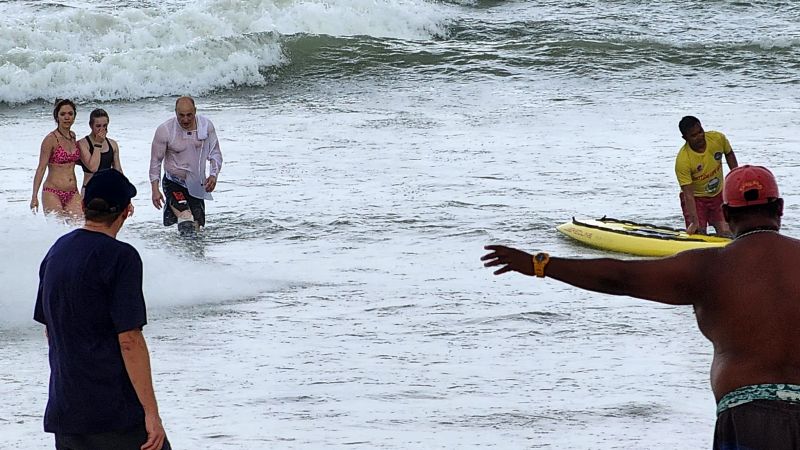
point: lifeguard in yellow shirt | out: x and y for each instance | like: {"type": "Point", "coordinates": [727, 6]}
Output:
{"type": "Point", "coordinates": [699, 171]}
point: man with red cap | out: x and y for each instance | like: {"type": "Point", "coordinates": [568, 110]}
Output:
{"type": "Point", "coordinates": [750, 313]}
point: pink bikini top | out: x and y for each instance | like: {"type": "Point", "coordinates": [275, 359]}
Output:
{"type": "Point", "coordinates": [60, 156]}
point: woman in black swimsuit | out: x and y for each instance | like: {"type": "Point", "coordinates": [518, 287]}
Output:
{"type": "Point", "coordinates": [104, 151]}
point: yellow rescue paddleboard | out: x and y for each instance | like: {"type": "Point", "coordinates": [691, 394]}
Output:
{"type": "Point", "coordinates": [636, 238]}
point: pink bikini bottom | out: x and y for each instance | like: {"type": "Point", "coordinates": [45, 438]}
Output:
{"type": "Point", "coordinates": [64, 196]}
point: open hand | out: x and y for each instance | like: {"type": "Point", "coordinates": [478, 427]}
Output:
{"type": "Point", "coordinates": [510, 258]}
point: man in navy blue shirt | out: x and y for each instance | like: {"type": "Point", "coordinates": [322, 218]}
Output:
{"type": "Point", "coordinates": [91, 302]}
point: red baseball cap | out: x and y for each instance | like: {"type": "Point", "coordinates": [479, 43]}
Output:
{"type": "Point", "coordinates": [749, 185]}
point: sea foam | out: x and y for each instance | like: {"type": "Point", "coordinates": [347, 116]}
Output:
{"type": "Point", "coordinates": [170, 279]}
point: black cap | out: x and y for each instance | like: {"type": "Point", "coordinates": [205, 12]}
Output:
{"type": "Point", "coordinates": [111, 186]}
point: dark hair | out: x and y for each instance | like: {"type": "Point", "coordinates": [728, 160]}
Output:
{"type": "Point", "coordinates": [60, 103]}
{"type": "Point", "coordinates": [770, 209]}
{"type": "Point", "coordinates": [686, 123]}
{"type": "Point", "coordinates": [97, 113]}
{"type": "Point", "coordinates": [98, 211]}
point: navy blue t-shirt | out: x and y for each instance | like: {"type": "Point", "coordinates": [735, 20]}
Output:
{"type": "Point", "coordinates": [90, 290]}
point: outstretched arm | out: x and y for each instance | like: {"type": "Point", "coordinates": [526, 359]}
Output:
{"type": "Point", "coordinates": [666, 280]}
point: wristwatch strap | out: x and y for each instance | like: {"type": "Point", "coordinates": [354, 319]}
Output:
{"type": "Point", "coordinates": [540, 261]}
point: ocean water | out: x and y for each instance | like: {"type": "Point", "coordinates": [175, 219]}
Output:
{"type": "Point", "coordinates": [372, 147]}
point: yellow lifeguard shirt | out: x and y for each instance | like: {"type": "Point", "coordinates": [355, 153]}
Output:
{"type": "Point", "coordinates": [703, 170]}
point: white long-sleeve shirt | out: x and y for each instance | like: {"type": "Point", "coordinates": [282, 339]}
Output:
{"type": "Point", "coordinates": [184, 154]}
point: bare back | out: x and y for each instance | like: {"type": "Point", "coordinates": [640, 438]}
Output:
{"type": "Point", "coordinates": [749, 308]}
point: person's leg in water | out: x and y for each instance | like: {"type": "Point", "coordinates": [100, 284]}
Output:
{"type": "Point", "coordinates": [64, 205]}
{"type": "Point", "coordinates": [180, 207]}
{"type": "Point", "coordinates": [184, 210]}
{"type": "Point", "coordinates": [51, 201]}
{"type": "Point", "coordinates": [73, 207]}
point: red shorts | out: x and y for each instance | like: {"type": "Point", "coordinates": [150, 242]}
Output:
{"type": "Point", "coordinates": [709, 211]}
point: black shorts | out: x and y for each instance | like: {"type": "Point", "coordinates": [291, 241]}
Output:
{"type": "Point", "coordinates": [174, 192]}
{"type": "Point", "coordinates": [759, 425]}
{"type": "Point", "coordinates": [117, 440]}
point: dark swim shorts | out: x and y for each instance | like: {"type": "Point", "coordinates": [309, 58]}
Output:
{"type": "Point", "coordinates": [117, 440]}
{"type": "Point", "coordinates": [178, 196]}
{"type": "Point", "coordinates": [759, 425]}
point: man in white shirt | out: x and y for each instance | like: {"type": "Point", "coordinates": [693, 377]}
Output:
{"type": "Point", "coordinates": [183, 144]}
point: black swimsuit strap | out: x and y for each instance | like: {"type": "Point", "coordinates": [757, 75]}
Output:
{"type": "Point", "coordinates": [110, 147]}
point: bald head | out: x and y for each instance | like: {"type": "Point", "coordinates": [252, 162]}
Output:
{"type": "Point", "coordinates": [185, 112]}
{"type": "Point", "coordinates": [185, 100]}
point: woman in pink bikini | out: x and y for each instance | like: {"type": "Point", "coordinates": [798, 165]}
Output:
{"type": "Point", "coordinates": [57, 157]}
